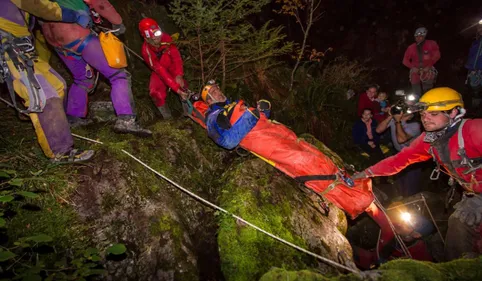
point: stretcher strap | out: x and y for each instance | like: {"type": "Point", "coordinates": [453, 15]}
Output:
{"type": "Point", "coordinates": [303, 179]}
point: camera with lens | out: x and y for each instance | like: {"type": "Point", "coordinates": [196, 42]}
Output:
{"type": "Point", "coordinates": [398, 108]}
{"type": "Point", "coordinates": [404, 105]}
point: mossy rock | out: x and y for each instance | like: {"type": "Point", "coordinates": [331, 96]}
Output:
{"type": "Point", "coordinates": [400, 270]}
{"type": "Point", "coordinates": [263, 196]}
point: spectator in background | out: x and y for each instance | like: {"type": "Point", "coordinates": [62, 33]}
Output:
{"type": "Point", "coordinates": [404, 130]}
{"type": "Point", "coordinates": [368, 100]}
{"type": "Point", "coordinates": [382, 100]}
{"type": "Point", "coordinates": [366, 137]}
{"type": "Point", "coordinates": [474, 65]}
{"type": "Point", "coordinates": [420, 58]}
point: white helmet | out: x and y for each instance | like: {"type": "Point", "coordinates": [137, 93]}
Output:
{"type": "Point", "coordinates": [421, 31]}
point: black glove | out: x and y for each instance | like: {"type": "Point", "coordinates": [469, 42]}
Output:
{"type": "Point", "coordinates": [264, 105]}
{"type": "Point", "coordinates": [120, 29]}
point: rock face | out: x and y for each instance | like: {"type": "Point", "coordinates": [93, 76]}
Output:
{"type": "Point", "coordinates": [122, 201]}
{"type": "Point", "coordinates": [169, 236]}
{"type": "Point", "coordinates": [262, 195]}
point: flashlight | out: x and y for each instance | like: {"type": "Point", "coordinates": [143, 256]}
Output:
{"type": "Point", "coordinates": [157, 33]}
{"type": "Point", "coordinates": [480, 21]}
{"type": "Point", "coordinates": [406, 217]}
{"type": "Point", "coordinates": [411, 97]}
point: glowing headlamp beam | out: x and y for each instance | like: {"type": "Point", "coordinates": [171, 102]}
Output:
{"type": "Point", "coordinates": [406, 217]}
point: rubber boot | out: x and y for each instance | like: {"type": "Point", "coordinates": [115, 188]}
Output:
{"type": "Point", "coordinates": [126, 124]}
{"type": "Point", "coordinates": [165, 111]}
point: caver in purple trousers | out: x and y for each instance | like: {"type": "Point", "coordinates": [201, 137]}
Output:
{"type": "Point", "coordinates": [93, 55]}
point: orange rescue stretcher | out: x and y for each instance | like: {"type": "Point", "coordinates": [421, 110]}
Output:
{"type": "Point", "coordinates": [280, 147]}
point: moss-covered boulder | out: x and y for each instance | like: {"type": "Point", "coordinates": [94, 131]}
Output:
{"type": "Point", "coordinates": [123, 201]}
{"type": "Point", "coordinates": [400, 270]}
{"type": "Point", "coordinates": [262, 195]}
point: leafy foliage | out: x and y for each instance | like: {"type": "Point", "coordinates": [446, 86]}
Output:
{"type": "Point", "coordinates": [220, 40]}
{"type": "Point", "coordinates": [25, 257]}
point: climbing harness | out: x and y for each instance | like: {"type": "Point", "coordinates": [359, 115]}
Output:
{"type": "Point", "coordinates": [425, 76]}
{"type": "Point", "coordinates": [21, 52]}
{"type": "Point", "coordinates": [68, 51]}
{"type": "Point", "coordinates": [472, 164]}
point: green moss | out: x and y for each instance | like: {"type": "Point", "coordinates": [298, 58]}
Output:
{"type": "Point", "coordinates": [281, 274]}
{"type": "Point", "coordinates": [245, 252]}
{"type": "Point", "coordinates": [342, 225]}
{"type": "Point", "coordinates": [400, 270]}
{"type": "Point", "coordinates": [407, 270]}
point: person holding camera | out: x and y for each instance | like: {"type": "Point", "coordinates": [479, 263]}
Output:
{"type": "Point", "coordinates": [455, 144]}
{"type": "Point", "coordinates": [403, 131]}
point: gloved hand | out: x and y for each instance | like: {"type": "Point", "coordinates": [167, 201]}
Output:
{"type": "Point", "coordinates": [121, 29]}
{"type": "Point", "coordinates": [469, 210]}
{"type": "Point", "coordinates": [360, 175]}
{"type": "Point", "coordinates": [184, 95]}
{"type": "Point", "coordinates": [263, 105]}
{"type": "Point", "coordinates": [82, 18]}
{"type": "Point", "coordinates": [180, 80]}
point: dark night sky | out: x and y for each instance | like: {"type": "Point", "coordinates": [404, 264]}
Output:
{"type": "Point", "coordinates": [381, 30]}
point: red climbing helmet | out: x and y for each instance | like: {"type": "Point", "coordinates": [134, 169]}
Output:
{"type": "Point", "coordinates": [149, 28]}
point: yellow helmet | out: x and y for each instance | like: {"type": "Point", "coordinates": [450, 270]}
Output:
{"type": "Point", "coordinates": [205, 92]}
{"type": "Point", "coordinates": [440, 99]}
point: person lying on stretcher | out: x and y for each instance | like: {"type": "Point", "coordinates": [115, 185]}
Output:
{"type": "Point", "coordinates": [221, 114]}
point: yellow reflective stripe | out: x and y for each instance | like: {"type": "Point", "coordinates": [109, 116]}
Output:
{"type": "Point", "coordinates": [265, 160]}
{"type": "Point", "coordinates": [257, 117]}
{"type": "Point", "coordinates": [41, 138]}
{"type": "Point", "coordinates": [44, 9]}
{"type": "Point", "coordinates": [43, 68]}
{"type": "Point", "coordinates": [13, 28]}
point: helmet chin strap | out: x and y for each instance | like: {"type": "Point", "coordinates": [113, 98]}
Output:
{"type": "Point", "coordinates": [453, 121]}
{"type": "Point", "coordinates": [212, 98]}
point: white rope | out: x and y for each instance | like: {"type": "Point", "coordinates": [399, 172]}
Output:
{"type": "Point", "coordinates": [87, 139]}
{"type": "Point", "coordinates": [397, 236]}
{"type": "Point", "coordinates": [214, 206]}
{"type": "Point", "coordinates": [333, 263]}
{"type": "Point", "coordinates": [404, 204]}
{"type": "Point", "coordinates": [430, 213]}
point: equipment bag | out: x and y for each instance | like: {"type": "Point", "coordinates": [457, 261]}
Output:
{"type": "Point", "coordinates": [113, 50]}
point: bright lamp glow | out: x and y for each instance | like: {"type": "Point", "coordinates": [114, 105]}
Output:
{"type": "Point", "coordinates": [480, 21]}
{"type": "Point", "coordinates": [406, 217]}
{"type": "Point", "coordinates": [411, 97]}
{"type": "Point", "coordinates": [157, 33]}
